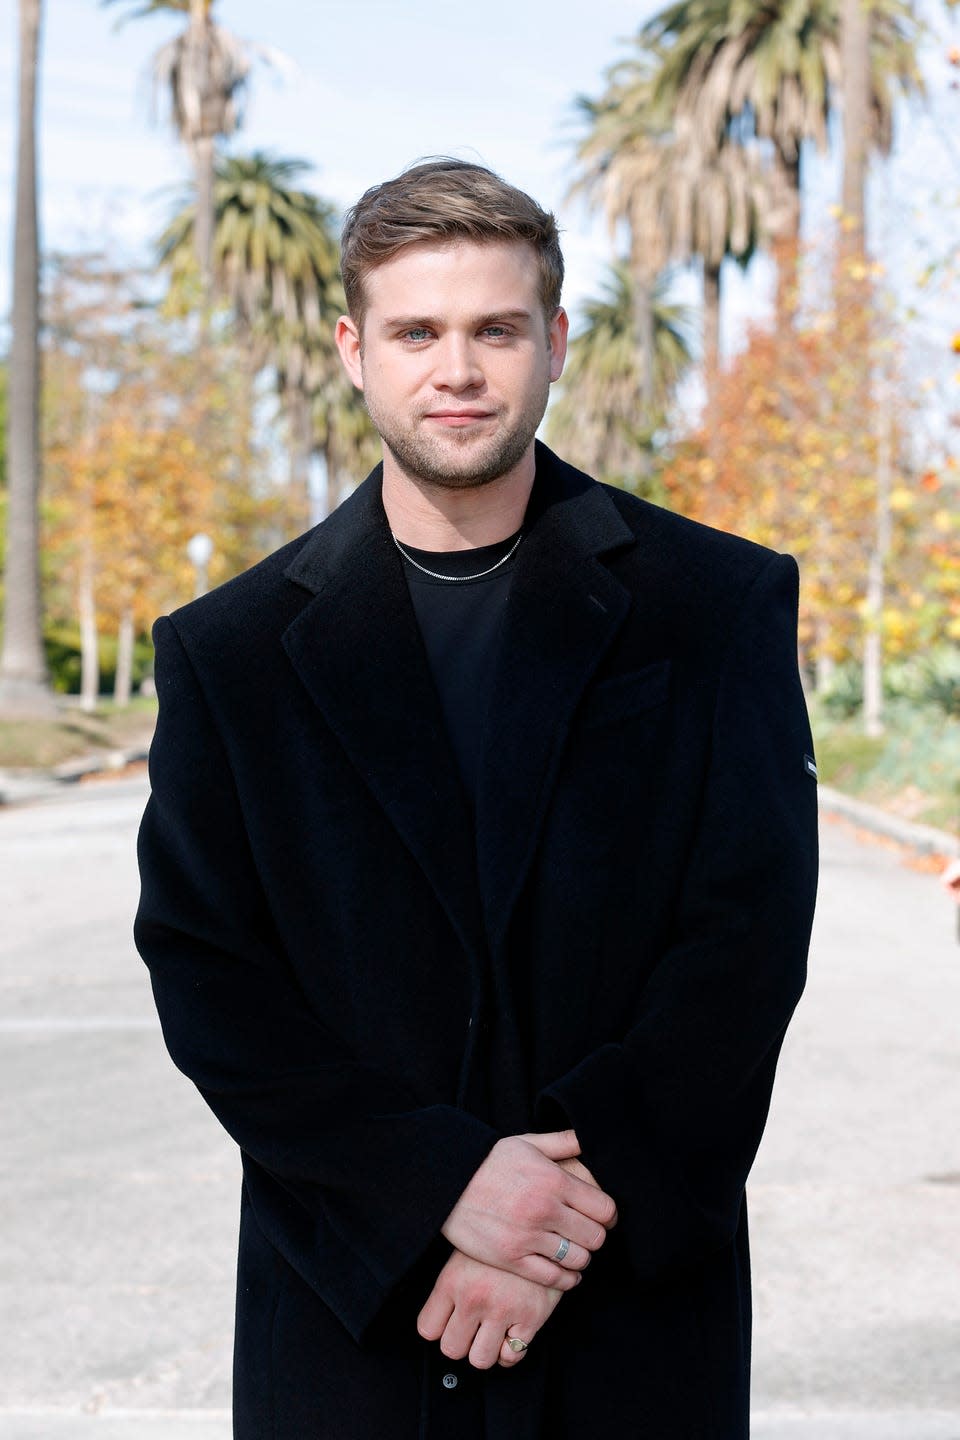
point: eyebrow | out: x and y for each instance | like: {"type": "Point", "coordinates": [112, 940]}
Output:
{"type": "Point", "coordinates": [400, 322]}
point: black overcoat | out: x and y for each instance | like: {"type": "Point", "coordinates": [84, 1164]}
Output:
{"type": "Point", "coordinates": [369, 990]}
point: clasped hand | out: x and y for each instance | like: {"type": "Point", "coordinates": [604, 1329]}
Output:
{"type": "Point", "coordinates": [530, 1193]}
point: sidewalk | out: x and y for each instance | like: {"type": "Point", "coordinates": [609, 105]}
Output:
{"type": "Point", "coordinates": [215, 1425]}
{"type": "Point", "coordinates": [44, 1424]}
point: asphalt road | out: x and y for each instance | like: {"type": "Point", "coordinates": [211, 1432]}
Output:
{"type": "Point", "coordinates": [118, 1192]}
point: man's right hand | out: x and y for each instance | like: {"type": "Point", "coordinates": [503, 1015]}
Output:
{"type": "Point", "coordinates": [520, 1203]}
{"type": "Point", "coordinates": [472, 1309]}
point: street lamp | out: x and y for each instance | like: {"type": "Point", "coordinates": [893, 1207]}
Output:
{"type": "Point", "coordinates": [199, 550]}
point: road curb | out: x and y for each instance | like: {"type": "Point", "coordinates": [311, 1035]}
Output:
{"type": "Point", "coordinates": [921, 839]}
{"type": "Point", "coordinates": [19, 787]}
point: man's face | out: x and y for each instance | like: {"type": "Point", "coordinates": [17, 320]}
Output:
{"type": "Point", "coordinates": [456, 359]}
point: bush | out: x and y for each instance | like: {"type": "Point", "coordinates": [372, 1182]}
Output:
{"type": "Point", "coordinates": [62, 644]}
{"type": "Point", "coordinates": [913, 767]}
{"type": "Point", "coordinates": [932, 678]}
{"type": "Point", "coordinates": [845, 695]}
{"type": "Point", "coordinates": [928, 679]}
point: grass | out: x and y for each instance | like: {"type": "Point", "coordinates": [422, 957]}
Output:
{"type": "Point", "coordinates": [912, 770]}
{"type": "Point", "coordinates": [40, 744]}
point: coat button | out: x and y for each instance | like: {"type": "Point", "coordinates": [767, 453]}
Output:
{"type": "Point", "coordinates": [449, 1382]}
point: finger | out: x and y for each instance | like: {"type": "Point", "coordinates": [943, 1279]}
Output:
{"type": "Point", "coordinates": [485, 1350]}
{"type": "Point", "coordinates": [546, 1272]}
{"type": "Point", "coordinates": [433, 1318]}
{"type": "Point", "coordinates": [555, 1144]}
{"type": "Point", "coordinates": [579, 1171]}
{"type": "Point", "coordinates": [576, 1257]}
{"type": "Point", "coordinates": [510, 1357]}
{"type": "Point", "coordinates": [458, 1336]}
{"type": "Point", "coordinates": [595, 1204]}
{"type": "Point", "coordinates": [578, 1229]}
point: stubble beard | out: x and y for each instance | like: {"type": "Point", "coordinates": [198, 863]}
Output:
{"type": "Point", "coordinates": [433, 459]}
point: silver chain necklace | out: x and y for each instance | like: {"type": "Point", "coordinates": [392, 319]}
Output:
{"type": "Point", "coordinates": [435, 576]}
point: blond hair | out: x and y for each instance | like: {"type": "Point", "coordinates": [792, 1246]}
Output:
{"type": "Point", "coordinates": [445, 200]}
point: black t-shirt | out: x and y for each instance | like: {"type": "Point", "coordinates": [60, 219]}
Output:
{"type": "Point", "coordinates": [460, 620]}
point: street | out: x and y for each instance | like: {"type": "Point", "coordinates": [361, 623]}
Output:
{"type": "Point", "coordinates": [119, 1193]}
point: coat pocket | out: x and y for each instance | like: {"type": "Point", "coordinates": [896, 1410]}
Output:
{"type": "Point", "coordinates": [620, 696]}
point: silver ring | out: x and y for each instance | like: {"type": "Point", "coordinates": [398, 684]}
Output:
{"type": "Point", "coordinates": [561, 1251]}
{"type": "Point", "coordinates": [517, 1346]}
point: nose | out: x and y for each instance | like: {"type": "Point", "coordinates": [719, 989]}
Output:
{"type": "Point", "coordinates": [457, 364]}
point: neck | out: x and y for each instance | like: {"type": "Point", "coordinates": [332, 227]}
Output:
{"type": "Point", "coordinates": [432, 517]}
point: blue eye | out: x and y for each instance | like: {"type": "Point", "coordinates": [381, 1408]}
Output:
{"type": "Point", "coordinates": [419, 332]}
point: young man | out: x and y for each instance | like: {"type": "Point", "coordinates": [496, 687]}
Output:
{"type": "Point", "coordinates": [478, 877]}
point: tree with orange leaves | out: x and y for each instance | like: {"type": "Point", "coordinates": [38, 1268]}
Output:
{"type": "Point", "coordinates": [147, 444]}
{"type": "Point", "coordinates": [792, 459]}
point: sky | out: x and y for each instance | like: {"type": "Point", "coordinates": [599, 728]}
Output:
{"type": "Point", "coordinates": [363, 87]}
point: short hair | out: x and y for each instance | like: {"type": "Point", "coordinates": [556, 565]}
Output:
{"type": "Point", "coordinates": [445, 200]}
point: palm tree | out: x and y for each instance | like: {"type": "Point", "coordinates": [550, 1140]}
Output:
{"type": "Point", "coordinates": [274, 254]}
{"type": "Point", "coordinates": [770, 68]}
{"type": "Point", "coordinates": [601, 418]}
{"type": "Point", "coordinates": [342, 432]}
{"type": "Point", "coordinates": [677, 200]}
{"type": "Point", "coordinates": [276, 262]}
{"type": "Point", "coordinates": [204, 71]}
{"type": "Point", "coordinates": [24, 681]}
{"type": "Point", "coordinates": [624, 160]}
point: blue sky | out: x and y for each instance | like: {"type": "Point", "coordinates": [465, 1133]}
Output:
{"type": "Point", "coordinates": [374, 85]}
{"type": "Point", "coordinates": [370, 85]}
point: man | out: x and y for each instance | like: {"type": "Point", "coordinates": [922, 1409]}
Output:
{"type": "Point", "coordinates": [478, 878]}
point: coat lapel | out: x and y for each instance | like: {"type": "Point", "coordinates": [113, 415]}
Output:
{"type": "Point", "coordinates": [564, 611]}
{"type": "Point", "coordinates": [357, 649]}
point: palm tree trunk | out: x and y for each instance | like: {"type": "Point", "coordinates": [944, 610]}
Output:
{"type": "Point", "coordinates": [786, 246]}
{"type": "Point", "coordinates": [203, 164]}
{"type": "Point", "coordinates": [202, 145]}
{"type": "Point", "coordinates": [89, 642]}
{"type": "Point", "coordinates": [711, 323]}
{"type": "Point", "coordinates": [332, 469]}
{"type": "Point", "coordinates": [24, 680]}
{"type": "Point", "coordinates": [876, 574]}
{"type": "Point", "coordinates": [854, 295]}
{"type": "Point", "coordinates": [249, 367]}
{"type": "Point", "coordinates": [825, 665]}
{"type": "Point", "coordinates": [123, 679]}
{"type": "Point", "coordinates": [645, 339]}
{"type": "Point", "coordinates": [855, 52]}
{"type": "Point", "coordinates": [299, 441]}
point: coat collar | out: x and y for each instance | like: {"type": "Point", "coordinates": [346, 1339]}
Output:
{"type": "Point", "coordinates": [357, 649]}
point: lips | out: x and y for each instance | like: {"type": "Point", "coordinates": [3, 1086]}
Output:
{"type": "Point", "coordinates": [458, 417]}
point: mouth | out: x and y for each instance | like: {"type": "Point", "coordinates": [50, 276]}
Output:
{"type": "Point", "coordinates": [456, 419]}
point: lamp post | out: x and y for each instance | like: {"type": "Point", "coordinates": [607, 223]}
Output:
{"type": "Point", "coordinates": [199, 550]}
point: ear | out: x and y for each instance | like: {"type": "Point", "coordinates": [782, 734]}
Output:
{"type": "Point", "coordinates": [347, 337]}
{"type": "Point", "coordinates": [557, 337]}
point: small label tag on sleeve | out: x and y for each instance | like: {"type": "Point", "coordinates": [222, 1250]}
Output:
{"type": "Point", "coordinates": [810, 765]}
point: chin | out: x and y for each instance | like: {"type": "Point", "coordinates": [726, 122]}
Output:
{"type": "Point", "coordinates": [454, 470]}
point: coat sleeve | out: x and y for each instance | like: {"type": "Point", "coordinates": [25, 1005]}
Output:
{"type": "Point", "coordinates": [669, 1119]}
{"type": "Point", "coordinates": [365, 1174]}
